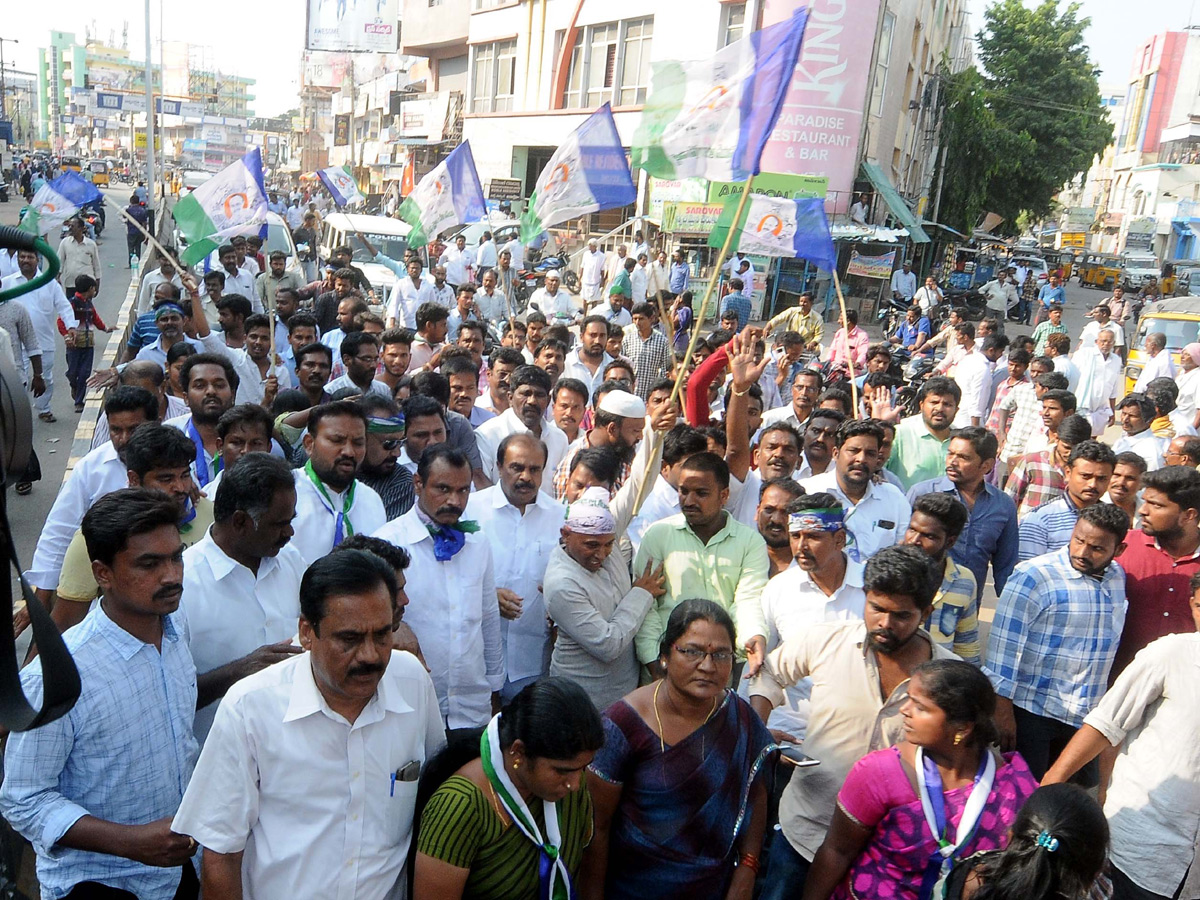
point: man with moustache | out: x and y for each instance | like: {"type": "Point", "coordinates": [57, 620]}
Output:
{"type": "Point", "coordinates": [380, 469]}
{"type": "Point", "coordinates": [95, 790]}
{"type": "Point", "coordinates": [772, 520]}
{"type": "Point", "coordinates": [618, 422]}
{"type": "Point", "coordinates": [210, 383]}
{"type": "Point", "coordinates": [241, 581]}
{"type": "Point", "coordinates": [331, 503]}
{"type": "Point", "coordinates": [454, 612]}
{"type": "Point", "coordinates": [859, 671]}
{"type": "Point", "coordinates": [824, 585]}
{"type": "Point", "coordinates": [922, 440]}
{"type": "Point", "coordinates": [1049, 527]}
{"type": "Point", "coordinates": [517, 513]}
{"type": "Point", "coordinates": [529, 398]}
{"type": "Point", "coordinates": [806, 387]}
{"type": "Point", "coordinates": [313, 762]}
{"type": "Point", "coordinates": [776, 456]}
{"type": "Point", "coordinates": [501, 363]}
{"type": "Point", "coordinates": [314, 363]}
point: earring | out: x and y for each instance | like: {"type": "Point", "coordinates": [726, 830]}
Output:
{"type": "Point", "coordinates": [958, 739]}
{"type": "Point", "coordinates": [516, 764]}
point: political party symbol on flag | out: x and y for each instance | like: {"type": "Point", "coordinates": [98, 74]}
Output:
{"type": "Point", "coordinates": [56, 201]}
{"type": "Point", "coordinates": [776, 226]}
{"type": "Point", "coordinates": [586, 174]}
{"type": "Point", "coordinates": [47, 212]}
{"type": "Point", "coordinates": [711, 118]}
{"type": "Point", "coordinates": [341, 184]}
{"type": "Point", "coordinates": [449, 195]}
{"type": "Point", "coordinates": [234, 201]}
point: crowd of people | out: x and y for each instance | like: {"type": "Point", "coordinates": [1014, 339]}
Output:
{"type": "Point", "coordinates": [367, 605]}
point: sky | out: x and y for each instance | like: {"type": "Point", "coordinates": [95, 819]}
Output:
{"type": "Point", "coordinates": [265, 44]}
{"type": "Point", "coordinates": [1115, 32]}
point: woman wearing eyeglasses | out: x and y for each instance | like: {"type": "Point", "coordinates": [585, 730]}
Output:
{"type": "Point", "coordinates": [679, 797]}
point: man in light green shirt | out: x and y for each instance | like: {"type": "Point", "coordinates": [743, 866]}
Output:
{"type": "Point", "coordinates": [919, 451]}
{"type": "Point", "coordinates": [705, 552]}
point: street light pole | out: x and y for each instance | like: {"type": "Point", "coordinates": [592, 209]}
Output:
{"type": "Point", "coordinates": [151, 191]}
{"type": "Point", "coordinates": [3, 78]}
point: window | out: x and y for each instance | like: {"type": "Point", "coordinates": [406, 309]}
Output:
{"type": "Point", "coordinates": [610, 63]}
{"type": "Point", "coordinates": [494, 77]}
{"type": "Point", "coordinates": [635, 67]}
{"type": "Point", "coordinates": [733, 26]}
{"type": "Point", "coordinates": [879, 83]}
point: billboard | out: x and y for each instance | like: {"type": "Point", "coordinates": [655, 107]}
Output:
{"type": "Point", "coordinates": [819, 126]}
{"type": "Point", "coordinates": [341, 130]}
{"type": "Point", "coordinates": [361, 26]}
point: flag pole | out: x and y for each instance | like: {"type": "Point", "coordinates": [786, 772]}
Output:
{"type": "Point", "coordinates": [148, 236]}
{"type": "Point", "coordinates": [695, 339]}
{"type": "Point", "coordinates": [846, 332]}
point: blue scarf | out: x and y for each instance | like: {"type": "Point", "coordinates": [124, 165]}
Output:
{"type": "Point", "coordinates": [202, 475]}
{"type": "Point", "coordinates": [449, 539]}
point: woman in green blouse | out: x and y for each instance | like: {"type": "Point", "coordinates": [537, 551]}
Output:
{"type": "Point", "coordinates": [513, 823]}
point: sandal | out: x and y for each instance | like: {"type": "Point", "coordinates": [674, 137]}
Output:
{"type": "Point", "coordinates": [24, 487]}
{"type": "Point", "coordinates": [47, 417]}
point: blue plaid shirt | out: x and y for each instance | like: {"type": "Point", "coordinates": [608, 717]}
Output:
{"type": "Point", "coordinates": [1055, 635]}
{"type": "Point", "coordinates": [125, 754]}
{"type": "Point", "coordinates": [740, 304]}
{"type": "Point", "coordinates": [1048, 528]}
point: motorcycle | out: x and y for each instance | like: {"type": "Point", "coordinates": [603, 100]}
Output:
{"type": "Point", "coordinates": [969, 300]}
{"type": "Point", "coordinates": [915, 373]}
{"type": "Point", "coordinates": [3, 191]}
{"type": "Point", "coordinates": [534, 274]}
{"type": "Point", "coordinates": [892, 312]}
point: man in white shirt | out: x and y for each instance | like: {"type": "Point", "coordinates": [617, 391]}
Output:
{"type": "Point", "coordinates": [929, 296]}
{"type": "Point", "coordinates": [1102, 321]}
{"type": "Point", "coordinates": [493, 304]}
{"type": "Point", "coordinates": [973, 375]}
{"type": "Point", "coordinates": [824, 585]}
{"type": "Point", "coordinates": [876, 515]}
{"type": "Point", "coordinates": [44, 305]}
{"type": "Point", "coordinates": [406, 296]}
{"type": "Point", "coordinates": [1001, 295]}
{"type": "Point", "coordinates": [100, 472]}
{"type": "Point", "coordinates": [660, 277]}
{"type": "Point", "coordinates": [458, 260]}
{"type": "Point", "coordinates": [734, 267]}
{"type": "Point", "coordinates": [486, 256]}
{"type": "Point", "coordinates": [1158, 363]}
{"type": "Point", "coordinates": [591, 273]}
{"type": "Point", "coordinates": [78, 254]}
{"type": "Point", "coordinates": [859, 210]}
{"type": "Point", "coordinates": [360, 357]}
{"type": "Point", "coordinates": [554, 302]}
{"type": "Point", "coordinates": [308, 780]}
{"type": "Point", "coordinates": [1101, 380]}
{"type": "Point", "coordinates": [614, 265]}
{"type": "Point", "coordinates": [589, 359]}
{"type": "Point", "coordinates": [639, 279]}
{"type": "Point", "coordinates": [241, 582]}
{"type": "Point", "coordinates": [331, 503]}
{"type": "Point", "coordinates": [165, 274]}
{"type": "Point", "coordinates": [517, 513]}
{"type": "Point", "coordinates": [1135, 413]}
{"type": "Point", "coordinates": [640, 247]}
{"type": "Point", "coordinates": [237, 280]}
{"type": "Point", "coordinates": [904, 281]}
{"type": "Point", "coordinates": [516, 253]}
{"type": "Point", "coordinates": [454, 612]}
{"type": "Point", "coordinates": [526, 414]}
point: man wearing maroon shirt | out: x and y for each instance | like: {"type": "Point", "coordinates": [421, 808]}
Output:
{"type": "Point", "coordinates": [1160, 560]}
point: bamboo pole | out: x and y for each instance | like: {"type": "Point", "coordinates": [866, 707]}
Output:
{"type": "Point", "coordinates": [846, 331]}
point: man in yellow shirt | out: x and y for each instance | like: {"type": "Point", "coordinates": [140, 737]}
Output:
{"type": "Point", "coordinates": [800, 318]}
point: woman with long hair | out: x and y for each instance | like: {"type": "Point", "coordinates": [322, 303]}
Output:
{"type": "Point", "coordinates": [681, 805]}
{"type": "Point", "coordinates": [905, 814]}
{"type": "Point", "coordinates": [1056, 850]}
{"type": "Point", "coordinates": [513, 820]}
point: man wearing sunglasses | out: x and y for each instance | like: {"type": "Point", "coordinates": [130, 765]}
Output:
{"type": "Point", "coordinates": [385, 442]}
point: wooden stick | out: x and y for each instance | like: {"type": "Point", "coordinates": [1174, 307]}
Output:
{"type": "Point", "coordinates": [846, 331]}
{"type": "Point", "coordinates": [699, 318]}
{"type": "Point", "coordinates": [181, 269]}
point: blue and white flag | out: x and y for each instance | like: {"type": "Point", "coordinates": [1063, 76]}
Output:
{"type": "Point", "coordinates": [76, 188]}
{"type": "Point", "coordinates": [711, 118]}
{"type": "Point", "coordinates": [339, 181]}
{"type": "Point", "coordinates": [449, 195]}
{"type": "Point", "coordinates": [234, 201]}
{"type": "Point", "coordinates": [776, 226]}
{"type": "Point", "coordinates": [587, 173]}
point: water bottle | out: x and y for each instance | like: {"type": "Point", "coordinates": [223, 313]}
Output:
{"type": "Point", "coordinates": [133, 261]}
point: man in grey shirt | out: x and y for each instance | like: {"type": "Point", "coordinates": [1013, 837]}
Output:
{"type": "Point", "coordinates": [597, 607]}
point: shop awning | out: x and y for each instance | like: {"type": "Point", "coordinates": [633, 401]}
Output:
{"type": "Point", "coordinates": [1184, 227]}
{"type": "Point", "coordinates": [895, 203]}
{"type": "Point", "coordinates": [958, 235]}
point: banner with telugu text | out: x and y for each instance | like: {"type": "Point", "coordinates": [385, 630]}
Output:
{"type": "Point", "coordinates": [871, 266]}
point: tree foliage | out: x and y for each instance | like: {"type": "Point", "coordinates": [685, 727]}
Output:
{"type": "Point", "coordinates": [1029, 122]}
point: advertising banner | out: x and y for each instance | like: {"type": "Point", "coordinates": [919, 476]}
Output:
{"type": "Point", "coordinates": [361, 27]}
{"type": "Point", "coordinates": [871, 266]}
{"type": "Point", "coordinates": [690, 218]}
{"type": "Point", "coordinates": [665, 190]}
{"type": "Point", "coordinates": [341, 130]}
{"type": "Point", "coordinates": [818, 129]}
{"type": "Point", "coordinates": [771, 184]}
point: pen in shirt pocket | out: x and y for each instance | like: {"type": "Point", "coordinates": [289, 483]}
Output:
{"type": "Point", "coordinates": [408, 772]}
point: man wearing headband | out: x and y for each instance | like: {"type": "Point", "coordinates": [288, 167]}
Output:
{"type": "Point", "coordinates": [597, 607]}
{"type": "Point", "coordinates": [380, 469]}
{"type": "Point", "coordinates": [516, 514]}
{"type": "Point", "coordinates": [618, 423]}
{"type": "Point", "coordinates": [877, 514]}
{"type": "Point", "coordinates": [823, 586]}
{"type": "Point", "coordinates": [169, 318]}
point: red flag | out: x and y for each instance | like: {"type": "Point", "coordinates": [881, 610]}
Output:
{"type": "Point", "coordinates": [408, 181]}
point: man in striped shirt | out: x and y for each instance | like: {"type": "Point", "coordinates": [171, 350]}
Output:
{"type": "Point", "coordinates": [1049, 528]}
{"type": "Point", "coordinates": [1038, 478]}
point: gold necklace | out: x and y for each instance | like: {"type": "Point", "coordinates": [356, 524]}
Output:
{"type": "Point", "coordinates": [662, 744]}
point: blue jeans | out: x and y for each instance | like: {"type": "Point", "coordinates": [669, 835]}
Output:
{"type": "Point", "coordinates": [786, 871]}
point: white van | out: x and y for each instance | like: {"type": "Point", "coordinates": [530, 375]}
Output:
{"type": "Point", "coordinates": [389, 236]}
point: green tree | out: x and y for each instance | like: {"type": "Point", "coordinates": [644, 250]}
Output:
{"type": "Point", "coordinates": [1041, 85]}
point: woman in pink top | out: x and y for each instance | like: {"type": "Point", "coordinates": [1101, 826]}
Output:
{"type": "Point", "coordinates": [852, 347]}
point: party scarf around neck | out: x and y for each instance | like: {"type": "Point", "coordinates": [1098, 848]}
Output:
{"type": "Point", "coordinates": [342, 524]}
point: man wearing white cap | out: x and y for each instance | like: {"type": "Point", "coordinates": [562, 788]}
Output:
{"type": "Point", "coordinates": [597, 607]}
{"type": "Point", "coordinates": [516, 513]}
{"type": "Point", "coordinates": [619, 420]}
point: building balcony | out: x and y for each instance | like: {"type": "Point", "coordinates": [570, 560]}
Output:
{"type": "Point", "coordinates": [435, 28]}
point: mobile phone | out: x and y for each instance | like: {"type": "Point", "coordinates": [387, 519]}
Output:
{"type": "Point", "coordinates": [796, 755]}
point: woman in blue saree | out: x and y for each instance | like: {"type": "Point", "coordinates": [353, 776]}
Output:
{"type": "Point", "coordinates": [680, 801]}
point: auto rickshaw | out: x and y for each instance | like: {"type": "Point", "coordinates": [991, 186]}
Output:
{"type": "Point", "coordinates": [1100, 270]}
{"type": "Point", "coordinates": [99, 169]}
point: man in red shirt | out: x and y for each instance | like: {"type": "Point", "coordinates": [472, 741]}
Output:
{"type": "Point", "coordinates": [1160, 560]}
